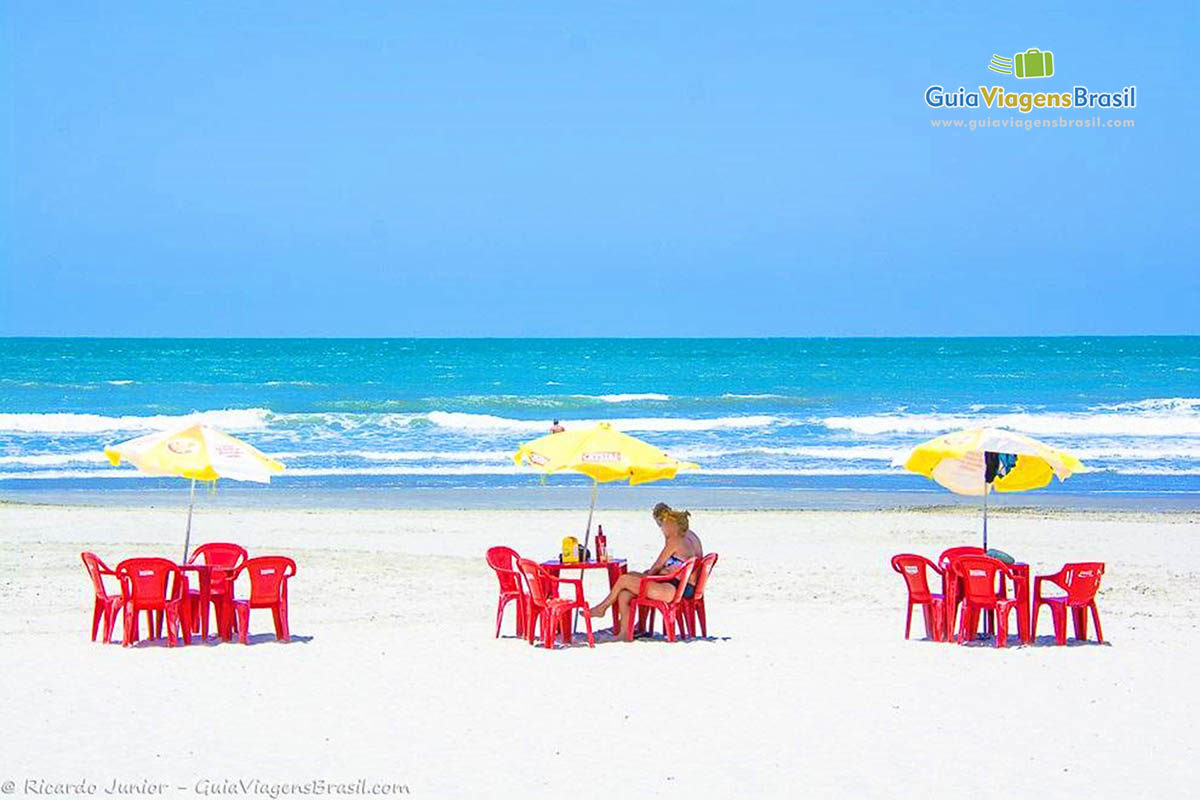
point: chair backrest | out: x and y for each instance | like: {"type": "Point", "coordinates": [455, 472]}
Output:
{"type": "Point", "coordinates": [220, 554]}
{"type": "Point", "coordinates": [912, 568]}
{"type": "Point", "coordinates": [683, 574]}
{"type": "Point", "coordinates": [535, 580]}
{"type": "Point", "coordinates": [702, 572]}
{"type": "Point", "coordinates": [1081, 581]}
{"type": "Point", "coordinates": [96, 568]}
{"type": "Point", "coordinates": [951, 553]}
{"type": "Point", "coordinates": [503, 560]}
{"type": "Point", "coordinates": [978, 574]}
{"type": "Point", "coordinates": [148, 581]}
{"type": "Point", "coordinates": [268, 578]}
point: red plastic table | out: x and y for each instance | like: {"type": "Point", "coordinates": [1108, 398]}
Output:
{"type": "Point", "coordinates": [204, 574]}
{"type": "Point", "coordinates": [616, 568]}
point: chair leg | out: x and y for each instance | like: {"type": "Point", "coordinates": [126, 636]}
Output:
{"type": "Point", "coordinates": [110, 620]}
{"type": "Point", "coordinates": [285, 629]}
{"type": "Point", "coordinates": [500, 616]}
{"type": "Point", "coordinates": [242, 613]}
{"type": "Point", "coordinates": [1081, 624]}
{"type": "Point", "coordinates": [1096, 619]}
{"type": "Point", "coordinates": [930, 625]}
{"type": "Point", "coordinates": [1059, 615]}
{"type": "Point", "coordinates": [634, 613]}
{"type": "Point", "coordinates": [965, 623]}
{"type": "Point", "coordinates": [128, 622]}
{"type": "Point", "coordinates": [587, 621]}
{"type": "Point", "coordinates": [908, 620]}
{"type": "Point", "coordinates": [703, 621]}
{"type": "Point", "coordinates": [97, 613]}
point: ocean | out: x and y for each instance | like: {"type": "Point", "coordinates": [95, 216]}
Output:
{"type": "Point", "coordinates": [771, 422]}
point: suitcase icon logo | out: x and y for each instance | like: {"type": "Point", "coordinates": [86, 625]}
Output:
{"type": "Point", "coordinates": [1033, 63]}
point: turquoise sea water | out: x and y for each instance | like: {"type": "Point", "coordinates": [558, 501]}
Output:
{"type": "Point", "coordinates": [387, 421]}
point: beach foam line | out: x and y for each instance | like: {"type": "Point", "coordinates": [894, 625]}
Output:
{"type": "Point", "coordinates": [242, 419]}
{"type": "Point", "coordinates": [488, 422]}
{"type": "Point", "coordinates": [849, 452]}
{"type": "Point", "coordinates": [625, 398]}
{"type": "Point", "coordinates": [56, 459]}
{"type": "Point", "coordinates": [1179, 423]}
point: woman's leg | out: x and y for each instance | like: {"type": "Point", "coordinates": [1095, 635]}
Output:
{"type": "Point", "coordinates": [626, 583]}
{"type": "Point", "coordinates": [623, 601]}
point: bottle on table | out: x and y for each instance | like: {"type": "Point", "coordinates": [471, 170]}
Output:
{"type": "Point", "coordinates": [601, 544]}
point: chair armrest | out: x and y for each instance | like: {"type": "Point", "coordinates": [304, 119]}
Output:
{"type": "Point", "coordinates": [648, 579]}
{"type": "Point", "coordinates": [576, 582]}
{"type": "Point", "coordinates": [1037, 583]}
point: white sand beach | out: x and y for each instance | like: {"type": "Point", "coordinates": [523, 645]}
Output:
{"type": "Point", "coordinates": [805, 688]}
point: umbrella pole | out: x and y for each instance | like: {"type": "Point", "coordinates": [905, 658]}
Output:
{"type": "Point", "coordinates": [987, 620]}
{"type": "Point", "coordinates": [591, 510]}
{"type": "Point", "coordinates": [587, 536]}
{"type": "Point", "coordinates": [985, 494]}
{"type": "Point", "coordinates": [187, 537]}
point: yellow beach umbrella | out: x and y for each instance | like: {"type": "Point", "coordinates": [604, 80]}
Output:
{"type": "Point", "coordinates": [198, 452]}
{"type": "Point", "coordinates": [959, 461]}
{"type": "Point", "coordinates": [603, 454]}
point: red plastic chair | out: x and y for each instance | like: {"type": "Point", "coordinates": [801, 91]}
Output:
{"type": "Point", "coordinates": [154, 585]}
{"type": "Point", "coordinates": [228, 557]}
{"type": "Point", "coordinates": [951, 584]}
{"type": "Point", "coordinates": [1080, 581]}
{"type": "Point", "coordinates": [268, 589]}
{"type": "Point", "coordinates": [977, 575]}
{"type": "Point", "coordinates": [555, 614]}
{"type": "Point", "coordinates": [693, 607]}
{"type": "Point", "coordinates": [503, 561]}
{"type": "Point", "coordinates": [106, 605]}
{"type": "Point", "coordinates": [913, 569]}
{"type": "Point", "coordinates": [643, 608]}
{"type": "Point", "coordinates": [954, 552]}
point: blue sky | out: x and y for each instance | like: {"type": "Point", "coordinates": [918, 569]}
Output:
{"type": "Point", "coordinates": [514, 169]}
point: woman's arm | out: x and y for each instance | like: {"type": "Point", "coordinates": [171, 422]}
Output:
{"type": "Point", "coordinates": [659, 562]}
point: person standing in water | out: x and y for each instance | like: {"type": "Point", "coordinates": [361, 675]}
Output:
{"type": "Point", "coordinates": [556, 427]}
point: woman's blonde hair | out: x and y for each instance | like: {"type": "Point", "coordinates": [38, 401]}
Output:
{"type": "Point", "coordinates": [662, 511]}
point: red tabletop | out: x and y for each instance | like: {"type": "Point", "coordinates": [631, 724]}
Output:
{"type": "Point", "coordinates": [556, 564]}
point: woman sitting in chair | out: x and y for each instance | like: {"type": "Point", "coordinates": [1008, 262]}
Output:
{"type": "Point", "coordinates": [681, 544]}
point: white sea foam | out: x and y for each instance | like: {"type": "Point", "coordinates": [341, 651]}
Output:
{"type": "Point", "coordinates": [488, 422]}
{"type": "Point", "coordinates": [732, 396]}
{"type": "Point", "coordinates": [850, 452]}
{"type": "Point", "coordinates": [240, 419]}
{"type": "Point", "coordinates": [1183, 422]}
{"type": "Point", "coordinates": [56, 459]}
{"type": "Point", "coordinates": [626, 398]}
{"type": "Point", "coordinates": [1160, 404]}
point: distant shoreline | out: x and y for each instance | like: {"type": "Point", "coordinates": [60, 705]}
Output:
{"type": "Point", "coordinates": [617, 498]}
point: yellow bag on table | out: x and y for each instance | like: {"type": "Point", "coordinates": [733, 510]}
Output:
{"type": "Point", "coordinates": [570, 550]}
